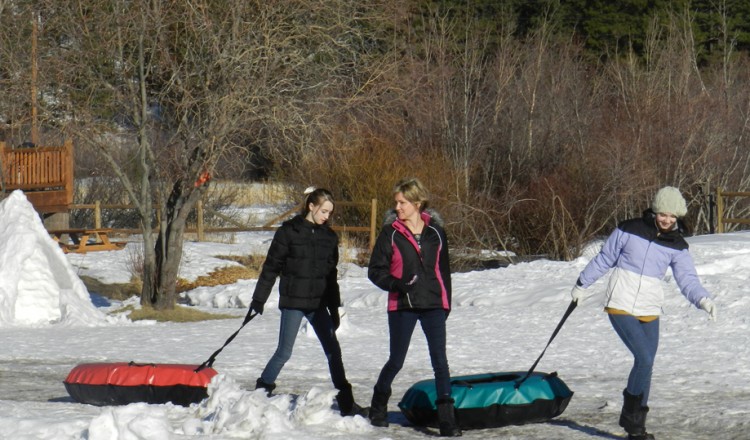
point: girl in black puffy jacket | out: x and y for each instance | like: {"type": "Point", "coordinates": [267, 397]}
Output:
{"type": "Point", "coordinates": [304, 254]}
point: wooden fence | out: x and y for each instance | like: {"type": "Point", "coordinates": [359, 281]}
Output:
{"type": "Point", "coordinates": [720, 219]}
{"type": "Point", "coordinates": [201, 229]}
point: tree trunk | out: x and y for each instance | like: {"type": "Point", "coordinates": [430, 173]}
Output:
{"type": "Point", "coordinates": [168, 246]}
{"type": "Point", "coordinates": [149, 293]}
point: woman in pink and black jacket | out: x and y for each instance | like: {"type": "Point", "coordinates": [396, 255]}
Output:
{"type": "Point", "coordinates": [410, 262]}
{"type": "Point", "coordinates": [639, 252]}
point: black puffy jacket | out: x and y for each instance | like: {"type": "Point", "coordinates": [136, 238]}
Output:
{"type": "Point", "coordinates": [304, 255]}
{"type": "Point", "coordinates": [396, 255]}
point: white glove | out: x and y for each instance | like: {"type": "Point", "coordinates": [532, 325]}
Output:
{"type": "Point", "coordinates": [578, 294]}
{"type": "Point", "coordinates": [708, 305]}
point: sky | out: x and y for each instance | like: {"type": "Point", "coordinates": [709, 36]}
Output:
{"type": "Point", "coordinates": [501, 321]}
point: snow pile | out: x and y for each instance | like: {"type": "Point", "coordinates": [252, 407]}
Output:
{"type": "Point", "coordinates": [237, 295]}
{"type": "Point", "coordinates": [230, 409]}
{"type": "Point", "coordinates": [138, 421]}
{"type": "Point", "coordinates": [38, 285]}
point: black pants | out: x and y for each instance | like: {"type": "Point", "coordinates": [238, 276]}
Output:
{"type": "Point", "coordinates": [401, 326]}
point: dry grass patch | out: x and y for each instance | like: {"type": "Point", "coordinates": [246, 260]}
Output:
{"type": "Point", "coordinates": [250, 269]}
{"type": "Point", "coordinates": [178, 314]}
{"type": "Point", "coordinates": [246, 194]}
{"type": "Point", "coordinates": [116, 291]}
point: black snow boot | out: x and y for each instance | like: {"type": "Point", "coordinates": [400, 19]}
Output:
{"type": "Point", "coordinates": [645, 436]}
{"type": "Point", "coordinates": [379, 408]}
{"type": "Point", "coordinates": [447, 418]}
{"type": "Point", "coordinates": [642, 434]}
{"type": "Point", "coordinates": [269, 387]}
{"type": "Point", "coordinates": [347, 405]}
{"type": "Point", "coordinates": [633, 417]}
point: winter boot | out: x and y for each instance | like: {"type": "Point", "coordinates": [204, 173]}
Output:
{"type": "Point", "coordinates": [269, 387]}
{"type": "Point", "coordinates": [379, 408]}
{"type": "Point", "coordinates": [643, 435]}
{"type": "Point", "coordinates": [633, 417]}
{"type": "Point", "coordinates": [347, 405]}
{"type": "Point", "coordinates": [447, 418]}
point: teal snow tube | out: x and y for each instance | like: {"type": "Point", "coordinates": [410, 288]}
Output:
{"type": "Point", "coordinates": [491, 400]}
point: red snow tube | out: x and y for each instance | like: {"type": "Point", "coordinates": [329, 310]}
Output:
{"type": "Point", "coordinates": [121, 383]}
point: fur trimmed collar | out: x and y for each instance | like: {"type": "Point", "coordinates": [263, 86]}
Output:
{"type": "Point", "coordinates": [391, 216]}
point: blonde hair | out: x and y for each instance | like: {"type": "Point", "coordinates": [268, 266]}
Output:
{"type": "Point", "coordinates": [414, 191]}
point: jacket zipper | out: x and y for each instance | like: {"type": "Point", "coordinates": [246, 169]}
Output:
{"type": "Point", "coordinates": [640, 275]}
{"type": "Point", "coordinates": [421, 264]}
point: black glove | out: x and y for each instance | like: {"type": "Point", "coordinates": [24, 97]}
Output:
{"type": "Point", "coordinates": [334, 311]}
{"type": "Point", "coordinates": [256, 306]}
{"type": "Point", "coordinates": [402, 287]}
{"type": "Point", "coordinates": [248, 316]}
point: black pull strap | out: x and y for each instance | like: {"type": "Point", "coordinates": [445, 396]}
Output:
{"type": "Point", "coordinates": [571, 307]}
{"type": "Point", "coordinates": [136, 364]}
{"type": "Point", "coordinates": [210, 361]}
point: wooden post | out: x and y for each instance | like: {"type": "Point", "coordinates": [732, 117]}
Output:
{"type": "Point", "coordinates": [719, 212]}
{"type": "Point", "coordinates": [68, 172]}
{"type": "Point", "coordinates": [373, 222]}
{"type": "Point", "coordinates": [97, 215]}
{"type": "Point", "coordinates": [34, 127]}
{"type": "Point", "coordinates": [199, 208]}
{"type": "Point", "coordinates": [2, 167]}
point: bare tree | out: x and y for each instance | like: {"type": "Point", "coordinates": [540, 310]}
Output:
{"type": "Point", "coordinates": [165, 91]}
{"type": "Point", "coordinates": [160, 91]}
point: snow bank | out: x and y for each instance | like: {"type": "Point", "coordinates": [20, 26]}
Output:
{"type": "Point", "coordinates": [38, 285]}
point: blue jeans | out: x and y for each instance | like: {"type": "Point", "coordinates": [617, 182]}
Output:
{"type": "Point", "coordinates": [642, 339]}
{"type": "Point", "coordinates": [289, 327]}
{"type": "Point", "coordinates": [401, 325]}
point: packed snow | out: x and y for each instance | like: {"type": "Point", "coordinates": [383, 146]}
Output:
{"type": "Point", "coordinates": [501, 321]}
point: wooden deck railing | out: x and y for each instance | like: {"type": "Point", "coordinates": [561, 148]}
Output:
{"type": "Point", "coordinates": [44, 174]}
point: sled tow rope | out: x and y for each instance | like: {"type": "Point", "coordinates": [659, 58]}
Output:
{"type": "Point", "coordinates": [571, 307]}
{"type": "Point", "coordinates": [210, 361]}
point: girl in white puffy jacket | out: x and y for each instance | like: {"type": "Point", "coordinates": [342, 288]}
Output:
{"type": "Point", "coordinates": [640, 251]}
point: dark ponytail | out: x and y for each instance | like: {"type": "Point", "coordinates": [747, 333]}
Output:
{"type": "Point", "coordinates": [316, 196]}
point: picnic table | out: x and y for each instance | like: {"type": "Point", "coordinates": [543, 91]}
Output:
{"type": "Point", "coordinates": [86, 240]}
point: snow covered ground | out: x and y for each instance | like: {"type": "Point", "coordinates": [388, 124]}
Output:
{"type": "Point", "coordinates": [501, 322]}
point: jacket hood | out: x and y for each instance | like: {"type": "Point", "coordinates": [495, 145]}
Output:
{"type": "Point", "coordinates": [391, 216]}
